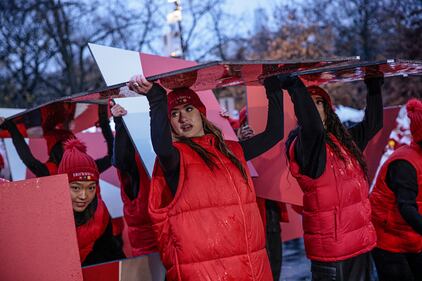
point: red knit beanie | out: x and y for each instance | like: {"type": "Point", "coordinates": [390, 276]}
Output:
{"type": "Point", "coordinates": [54, 136]}
{"type": "Point", "coordinates": [318, 91]}
{"type": "Point", "coordinates": [184, 96]}
{"type": "Point", "coordinates": [78, 165]}
{"type": "Point", "coordinates": [414, 112]}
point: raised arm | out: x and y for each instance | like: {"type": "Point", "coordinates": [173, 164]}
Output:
{"type": "Point", "coordinates": [364, 131]}
{"type": "Point", "coordinates": [124, 155]}
{"type": "Point", "coordinates": [310, 152]}
{"type": "Point", "coordinates": [274, 129]}
{"type": "Point", "coordinates": [162, 143]}
{"type": "Point", "coordinates": [38, 168]}
{"type": "Point", "coordinates": [104, 163]}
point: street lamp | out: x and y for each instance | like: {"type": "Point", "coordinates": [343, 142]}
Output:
{"type": "Point", "coordinates": [174, 38]}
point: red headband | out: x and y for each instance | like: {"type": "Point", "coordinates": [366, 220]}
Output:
{"type": "Point", "coordinates": [317, 91]}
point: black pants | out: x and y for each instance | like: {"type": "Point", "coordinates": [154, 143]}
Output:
{"type": "Point", "coordinates": [353, 269]}
{"type": "Point", "coordinates": [396, 266]}
{"type": "Point", "coordinates": [273, 239]}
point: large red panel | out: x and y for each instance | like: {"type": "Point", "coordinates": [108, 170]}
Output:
{"type": "Point", "coordinates": [375, 148]}
{"type": "Point", "coordinates": [38, 237]}
{"type": "Point", "coordinates": [292, 229]}
{"type": "Point", "coordinates": [274, 181]}
{"type": "Point", "coordinates": [102, 272]}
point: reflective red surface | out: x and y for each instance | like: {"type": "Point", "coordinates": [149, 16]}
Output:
{"type": "Point", "coordinates": [224, 74]}
{"type": "Point", "coordinates": [354, 71]}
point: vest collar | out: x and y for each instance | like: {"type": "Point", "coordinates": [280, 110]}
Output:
{"type": "Point", "coordinates": [205, 140]}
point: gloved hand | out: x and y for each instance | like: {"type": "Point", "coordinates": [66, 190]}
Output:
{"type": "Point", "coordinates": [287, 81]}
{"type": "Point", "coordinates": [272, 84]}
{"type": "Point", "coordinates": [373, 77]}
{"type": "Point", "coordinates": [103, 115]}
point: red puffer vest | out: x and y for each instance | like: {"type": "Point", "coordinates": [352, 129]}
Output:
{"type": "Point", "coordinates": [52, 167]}
{"type": "Point", "coordinates": [393, 233]}
{"type": "Point", "coordinates": [141, 236]}
{"type": "Point", "coordinates": [89, 232]}
{"type": "Point", "coordinates": [212, 229]}
{"type": "Point", "coordinates": [336, 209]}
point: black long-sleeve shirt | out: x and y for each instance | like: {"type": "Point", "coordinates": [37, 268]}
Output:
{"type": "Point", "coordinates": [168, 155]}
{"type": "Point", "coordinates": [40, 169]}
{"type": "Point", "coordinates": [124, 159]}
{"type": "Point", "coordinates": [402, 180]}
{"type": "Point", "coordinates": [310, 149]}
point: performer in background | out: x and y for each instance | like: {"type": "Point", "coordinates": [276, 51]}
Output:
{"type": "Point", "coordinates": [397, 207]}
{"type": "Point", "coordinates": [93, 222]}
{"type": "Point", "coordinates": [55, 138]}
{"type": "Point", "coordinates": [327, 161]}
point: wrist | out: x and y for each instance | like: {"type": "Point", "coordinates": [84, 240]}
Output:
{"type": "Point", "coordinates": [156, 93]}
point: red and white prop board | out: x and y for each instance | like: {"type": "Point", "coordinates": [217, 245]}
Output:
{"type": "Point", "coordinates": [38, 238]}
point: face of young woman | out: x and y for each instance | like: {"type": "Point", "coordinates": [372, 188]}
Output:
{"type": "Point", "coordinates": [186, 121]}
{"type": "Point", "coordinates": [319, 104]}
{"type": "Point", "coordinates": [82, 193]}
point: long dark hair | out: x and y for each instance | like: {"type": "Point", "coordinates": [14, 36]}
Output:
{"type": "Point", "coordinates": [208, 157]}
{"type": "Point", "coordinates": [335, 127]}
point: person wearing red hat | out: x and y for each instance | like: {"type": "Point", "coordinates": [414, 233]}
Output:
{"type": "Point", "coordinates": [397, 207]}
{"type": "Point", "coordinates": [327, 161]}
{"type": "Point", "coordinates": [54, 139]}
{"type": "Point", "coordinates": [93, 222]}
{"type": "Point", "coordinates": [202, 202]}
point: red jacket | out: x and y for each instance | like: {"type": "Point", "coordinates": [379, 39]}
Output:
{"type": "Point", "coordinates": [393, 233]}
{"type": "Point", "coordinates": [52, 167]}
{"type": "Point", "coordinates": [89, 232]}
{"type": "Point", "coordinates": [212, 229]}
{"type": "Point", "coordinates": [141, 236]}
{"type": "Point", "coordinates": [336, 209]}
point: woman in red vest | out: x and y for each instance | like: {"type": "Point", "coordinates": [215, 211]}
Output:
{"type": "Point", "coordinates": [327, 161]}
{"type": "Point", "coordinates": [397, 207]}
{"type": "Point", "coordinates": [134, 188]}
{"type": "Point", "coordinates": [202, 201]}
{"type": "Point", "coordinates": [93, 222]}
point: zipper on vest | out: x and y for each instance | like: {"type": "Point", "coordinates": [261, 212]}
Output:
{"type": "Point", "coordinates": [179, 277]}
{"type": "Point", "coordinates": [243, 216]}
{"type": "Point", "coordinates": [335, 223]}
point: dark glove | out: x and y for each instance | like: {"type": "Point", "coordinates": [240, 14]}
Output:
{"type": "Point", "coordinates": [373, 78]}
{"type": "Point", "coordinates": [287, 81]}
{"type": "Point", "coordinates": [157, 92]}
{"type": "Point", "coordinates": [272, 84]}
{"type": "Point", "coordinates": [103, 114]}
{"type": "Point", "coordinates": [6, 124]}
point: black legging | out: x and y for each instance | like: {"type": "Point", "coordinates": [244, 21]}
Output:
{"type": "Point", "coordinates": [273, 241]}
{"type": "Point", "coordinates": [397, 266]}
{"type": "Point", "coordinates": [354, 269]}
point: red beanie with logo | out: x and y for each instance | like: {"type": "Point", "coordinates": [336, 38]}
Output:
{"type": "Point", "coordinates": [184, 96]}
{"type": "Point", "coordinates": [77, 164]}
{"type": "Point", "coordinates": [54, 136]}
{"type": "Point", "coordinates": [414, 112]}
{"type": "Point", "coordinates": [318, 91]}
